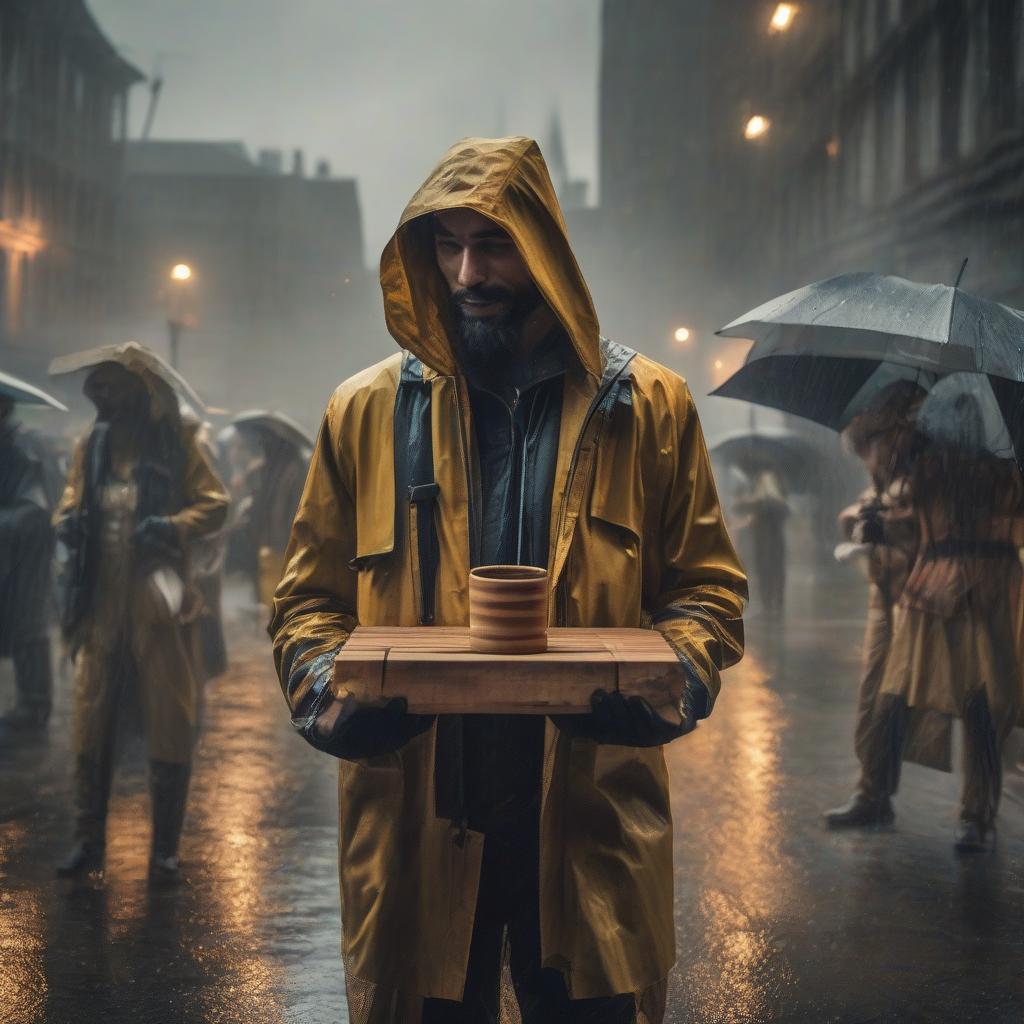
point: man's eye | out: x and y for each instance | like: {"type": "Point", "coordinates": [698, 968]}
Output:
{"type": "Point", "coordinates": [446, 245]}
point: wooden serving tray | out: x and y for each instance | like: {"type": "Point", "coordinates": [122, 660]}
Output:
{"type": "Point", "coordinates": [434, 668]}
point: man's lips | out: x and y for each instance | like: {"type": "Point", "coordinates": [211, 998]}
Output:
{"type": "Point", "coordinates": [478, 307]}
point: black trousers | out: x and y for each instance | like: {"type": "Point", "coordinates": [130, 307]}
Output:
{"type": "Point", "coordinates": [508, 911]}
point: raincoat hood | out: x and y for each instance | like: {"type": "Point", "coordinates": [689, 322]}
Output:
{"type": "Point", "coordinates": [507, 181]}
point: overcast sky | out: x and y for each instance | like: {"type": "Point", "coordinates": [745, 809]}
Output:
{"type": "Point", "coordinates": [380, 88]}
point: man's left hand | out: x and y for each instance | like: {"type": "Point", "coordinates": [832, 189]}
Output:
{"type": "Point", "coordinates": [629, 721]}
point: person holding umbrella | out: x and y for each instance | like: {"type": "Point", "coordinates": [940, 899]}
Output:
{"type": "Point", "coordinates": [274, 473]}
{"type": "Point", "coordinates": [826, 352]}
{"type": "Point", "coordinates": [139, 492]}
{"type": "Point", "coordinates": [883, 527]}
{"type": "Point", "coordinates": [956, 648]}
{"type": "Point", "coordinates": [26, 550]}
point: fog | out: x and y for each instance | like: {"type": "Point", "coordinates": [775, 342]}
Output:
{"type": "Point", "coordinates": [380, 88]}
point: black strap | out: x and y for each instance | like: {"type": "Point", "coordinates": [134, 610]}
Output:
{"type": "Point", "coordinates": [414, 475]}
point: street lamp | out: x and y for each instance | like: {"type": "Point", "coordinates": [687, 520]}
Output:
{"type": "Point", "coordinates": [782, 19]}
{"type": "Point", "coordinates": [177, 321]}
{"type": "Point", "coordinates": [756, 127]}
{"type": "Point", "coordinates": [682, 334]}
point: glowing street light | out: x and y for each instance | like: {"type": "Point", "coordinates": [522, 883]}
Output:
{"type": "Point", "coordinates": [682, 334]}
{"type": "Point", "coordinates": [782, 19]}
{"type": "Point", "coordinates": [178, 320]}
{"type": "Point", "coordinates": [719, 364]}
{"type": "Point", "coordinates": [756, 127]}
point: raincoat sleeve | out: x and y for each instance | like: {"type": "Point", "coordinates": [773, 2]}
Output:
{"type": "Point", "coordinates": [703, 587]}
{"type": "Point", "coordinates": [315, 603]}
{"type": "Point", "coordinates": [206, 499]}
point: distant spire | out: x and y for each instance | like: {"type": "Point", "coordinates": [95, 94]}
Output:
{"type": "Point", "coordinates": [554, 152]}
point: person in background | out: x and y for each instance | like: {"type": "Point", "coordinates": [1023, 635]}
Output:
{"type": "Point", "coordinates": [883, 525]}
{"type": "Point", "coordinates": [139, 494]}
{"type": "Point", "coordinates": [766, 511]}
{"type": "Point", "coordinates": [956, 645]}
{"type": "Point", "coordinates": [271, 472]}
{"type": "Point", "coordinates": [26, 551]}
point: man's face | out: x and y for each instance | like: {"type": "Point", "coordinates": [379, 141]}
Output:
{"type": "Point", "coordinates": [491, 288]}
{"type": "Point", "coordinates": [481, 264]}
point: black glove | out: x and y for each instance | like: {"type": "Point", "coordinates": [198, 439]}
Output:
{"type": "Point", "coordinates": [157, 537]}
{"type": "Point", "coordinates": [361, 731]}
{"type": "Point", "coordinates": [631, 721]}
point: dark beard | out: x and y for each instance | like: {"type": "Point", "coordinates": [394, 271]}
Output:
{"type": "Point", "coordinates": [489, 345]}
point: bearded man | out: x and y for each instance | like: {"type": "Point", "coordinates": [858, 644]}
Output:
{"type": "Point", "coordinates": [474, 849]}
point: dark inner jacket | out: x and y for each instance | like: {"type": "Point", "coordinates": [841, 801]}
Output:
{"type": "Point", "coordinates": [517, 440]}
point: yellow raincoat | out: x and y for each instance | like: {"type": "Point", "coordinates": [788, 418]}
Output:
{"type": "Point", "coordinates": [636, 528]}
{"type": "Point", "coordinates": [131, 614]}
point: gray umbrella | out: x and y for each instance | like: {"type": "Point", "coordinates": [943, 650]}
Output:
{"type": "Point", "coordinates": [817, 350]}
{"type": "Point", "coordinates": [277, 423]}
{"type": "Point", "coordinates": [134, 357]}
{"type": "Point", "coordinates": [23, 393]}
{"type": "Point", "coordinates": [961, 412]}
{"type": "Point", "coordinates": [792, 456]}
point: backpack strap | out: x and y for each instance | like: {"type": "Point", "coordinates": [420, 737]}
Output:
{"type": "Point", "coordinates": [414, 477]}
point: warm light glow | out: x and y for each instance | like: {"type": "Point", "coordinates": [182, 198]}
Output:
{"type": "Point", "coordinates": [24, 237]}
{"type": "Point", "coordinates": [719, 364]}
{"type": "Point", "coordinates": [181, 272]}
{"type": "Point", "coordinates": [783, 17]}
{"type": "Point", "coordinates": [682, 334]}
{"type": "Point", "coordinates": [832, 148]}
{"type": "Point", "coordinates": [756, 127]}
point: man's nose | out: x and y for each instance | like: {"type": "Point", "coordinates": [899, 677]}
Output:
{"type": "Point", "coordinates": [472, 269]}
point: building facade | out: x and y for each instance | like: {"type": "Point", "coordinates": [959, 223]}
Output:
{"type": "Point", "coordinates": [746, 150]}
{"type": "Point", "coordinates": [912, 158]}
{"type": "Point", "coordinates": [63, 113]}
{"type": "Point", "coordinates": [275, 268]}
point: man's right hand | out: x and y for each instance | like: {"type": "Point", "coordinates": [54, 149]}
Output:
{"type": "Point", "coordinates": [352, 731]}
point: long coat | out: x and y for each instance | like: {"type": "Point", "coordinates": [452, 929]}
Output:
{"type": "Point", "coordinates": [128, 615]}
{"type": "Point", "coordinates": [958, 624]}
{"type": "Point", "coordinates": [636, 534]}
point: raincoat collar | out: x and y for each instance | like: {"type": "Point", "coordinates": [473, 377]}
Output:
{"type": "Point", "coordinates": [507, 181]}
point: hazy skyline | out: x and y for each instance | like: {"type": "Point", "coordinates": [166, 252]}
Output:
{"type": "Point", "coordinates": [377, 87]}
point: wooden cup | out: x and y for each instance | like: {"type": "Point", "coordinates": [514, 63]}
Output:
{"type": "Point", "coordinates": [508, 609]}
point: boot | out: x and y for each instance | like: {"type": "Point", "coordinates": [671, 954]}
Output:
{"type": "Point", "coordinates": [85, 858]}
{"type": "Point", "coordinates": [972, 837]}
{"type": "Point", "coordinates": [860, 811]}
{"type": "Point", "coordinates": [92, 792]}
{"type": "Point", "coordinates": [33, 673]}
{"type": "Point", "coordinates": [168, 785]}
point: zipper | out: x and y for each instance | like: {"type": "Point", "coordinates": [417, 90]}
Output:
{"type": "Point", "coordinates": [561, 597]}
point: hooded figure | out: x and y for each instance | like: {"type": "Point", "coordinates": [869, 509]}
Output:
{"type": "Point", "coordinates": [271, 486]}
{"type": "Point", "coordinates": [139, 492]}
{"type": "Point", "coordinates": [569, 452]}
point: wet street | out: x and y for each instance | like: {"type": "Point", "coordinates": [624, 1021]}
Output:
{"type": "Point", "coordinates": [778, 919]}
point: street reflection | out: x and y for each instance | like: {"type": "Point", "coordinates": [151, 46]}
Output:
{"type": "Point", "coordinates": [730, 967]}
{"type": "Point", "coordinates": [22, 977]}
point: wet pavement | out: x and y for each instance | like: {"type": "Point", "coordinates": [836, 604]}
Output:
{"type": "Point", "coordinates": [778, 919]}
